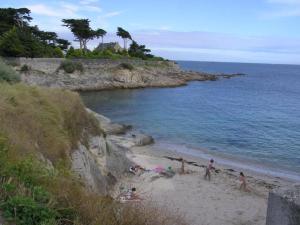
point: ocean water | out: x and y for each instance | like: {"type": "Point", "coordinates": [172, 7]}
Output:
{"type": "Point", "coordinates": [252, 119]}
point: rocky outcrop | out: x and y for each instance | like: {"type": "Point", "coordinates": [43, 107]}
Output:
{"type": "Point", "coordinates": [100, 165]}
{"type": "Point", "coordinates": [102, 162]}
{"type": "Point", "coordinates": [100, 74]}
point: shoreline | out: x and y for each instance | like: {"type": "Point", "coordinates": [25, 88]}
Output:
{"type": "Point", "coordinates": [233, 162]}
{"type": "Point", "coordinates": [218, 201]}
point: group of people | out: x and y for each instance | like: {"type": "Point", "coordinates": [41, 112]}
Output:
{"type": "Point", "coordinates": [242, 178]}
{"type": "Point", "coordinates": [131, 195]}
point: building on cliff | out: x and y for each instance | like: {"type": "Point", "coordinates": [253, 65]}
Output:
{"type": "Point", "coordinates": [114, 46]}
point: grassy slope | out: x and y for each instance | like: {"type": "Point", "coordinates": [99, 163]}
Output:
{"type": "Point", "coordinates": [50, 122]}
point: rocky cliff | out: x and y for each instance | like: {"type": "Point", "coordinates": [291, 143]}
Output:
{"type": "Point", "coordinates": [104, 162]}
{"type": "Point", "coordinates": [99, 74]}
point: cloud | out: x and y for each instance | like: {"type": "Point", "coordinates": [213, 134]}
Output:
{"type": "Point", "coordinates": [88, 2]}
{"type": "Point", "coordinates": [213, 55]}
{"type": "Point", "coordinates": [64, 10]}
{"type": "Point", "coordinates": [44, 10]}
{"type": "Point", "coordinates": [221, 41]}
{"type": "Point", "coordinates": [282, 8]}
{"type": "Point", "coordinates": [285, 2]}
{"type": "Point", "coordinates": [112, 14]}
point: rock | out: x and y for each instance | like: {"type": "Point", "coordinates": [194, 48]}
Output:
{"type": "Point", "coordinates": [100, 165]}
{"type": "Point", "coordinates": [142, 139]}
{"type": "Point", "coordinates": [108, 127]}
{"type": "Point", "coordinates": [284, 206]}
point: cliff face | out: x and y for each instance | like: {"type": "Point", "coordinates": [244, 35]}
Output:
{"type": "Point", "coordinates": [104, 162]}
{"type": "Point", "coordinates": [100, 165]}
{"type": "Point", "coordinates": [99, 74]}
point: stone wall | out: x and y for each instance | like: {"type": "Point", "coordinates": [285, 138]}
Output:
{"type": "Point", "coordinates": [284, 206]}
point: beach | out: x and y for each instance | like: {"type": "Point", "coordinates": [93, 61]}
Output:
{"type": "Point", "coordinates": [202, 202]}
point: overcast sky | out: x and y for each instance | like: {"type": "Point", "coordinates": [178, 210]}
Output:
{"type": "Point", "coordinates": [264, 31]}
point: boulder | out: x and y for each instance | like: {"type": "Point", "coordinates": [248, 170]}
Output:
{"type": "Point", "coordinates": [284, 206]}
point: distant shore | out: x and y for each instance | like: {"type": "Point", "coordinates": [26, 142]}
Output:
{"type": "Point", "coordinates": [104, 74]}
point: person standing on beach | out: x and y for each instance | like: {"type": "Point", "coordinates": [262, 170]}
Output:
{"type": "Point", "coordinates": [208, 170]}
{"type": "Point", "coordinates": [182, 165]}
{"type": "Point", "coordinates": [242, 180]}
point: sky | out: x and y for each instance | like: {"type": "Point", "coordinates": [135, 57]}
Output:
{"type": "Point", "coordinates": [262, 31]}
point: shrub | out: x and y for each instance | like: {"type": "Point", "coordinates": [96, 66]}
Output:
{"type": "Point", "coordinates": [25, 68]}
{"type": "Point", "coordinates": [70, 66]}
{"type": "Point", "coordinates": [25, 210]}
{"type": "Point", "coordinates": [75, 53]}
{"type": "Point", "coordinates": [127, 66]}
{"type": "Point", "coordinates": [7, 74]}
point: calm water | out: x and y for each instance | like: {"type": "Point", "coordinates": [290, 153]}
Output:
{"type": "Point", "coordinates": [255, 118]}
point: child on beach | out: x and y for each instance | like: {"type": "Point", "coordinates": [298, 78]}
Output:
{"type": "Point", "coordinates": [208, 169]}
{"type": "Point", "coordinates": [242, 180]}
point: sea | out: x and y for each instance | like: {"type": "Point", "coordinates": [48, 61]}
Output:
{"type": "Point", "coordinates": [250, 121]}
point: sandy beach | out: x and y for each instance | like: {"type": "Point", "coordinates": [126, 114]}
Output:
{"type": "Point", "coordinates": [202, 202]}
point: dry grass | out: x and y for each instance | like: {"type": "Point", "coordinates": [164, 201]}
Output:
{"type": "Point", "coordinates": [45, 120]}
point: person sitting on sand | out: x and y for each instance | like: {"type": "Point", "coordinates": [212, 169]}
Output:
{"type": "Point", "coordinates": [133, 170]}
{"type": "Point", "coordinates": [208, 169]}
{"type": "Point", "coordinates": [131, 195]}
{"type": "Point", "coordinates": [242, 180]}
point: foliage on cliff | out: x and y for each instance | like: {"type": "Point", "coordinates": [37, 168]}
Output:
{"type": "Point", "coordinates": [19, 39]}
{"type": "Point", "coordinates": [38, 130]}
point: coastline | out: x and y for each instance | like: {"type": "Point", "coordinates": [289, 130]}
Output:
{"type": "Point", "coordinates": [228, 161]}
{"type": "Point", "coordinates": [218, 201]}
{"type": "Point", "coordinates": [107, 74]}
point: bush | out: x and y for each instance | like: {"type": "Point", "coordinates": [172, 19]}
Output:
{"type": "Point", "coordinates": [70, 66]}
{"type": "Point", "coordinates": [7, 74]}
{"type": "Point", "coordinates": [127, 66]}
{"type": "Point", "coordinates": [25, 68]}
{"type": "Point", "coordinates": [25, 210]}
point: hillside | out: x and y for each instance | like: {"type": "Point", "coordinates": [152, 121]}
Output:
{"type": "Point", "coordinates": [57, 165]}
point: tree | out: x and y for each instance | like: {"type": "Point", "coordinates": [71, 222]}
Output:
{"type": "Point", "coordinates": [81, 30]}
{"type": "Point", "coordinates": [140, 51]}
{"type": "Point", "coordinates": [62, 44]}
{"type": "Point", "coordinates": [100, 33]}
{"type": "Point", "coordinates": [11, 44]}
{"type": "Point", "coordinates": [10, 17]}
{"type": "Point", "coordinates": [125, 35]}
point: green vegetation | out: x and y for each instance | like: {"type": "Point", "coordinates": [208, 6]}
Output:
{"type": "Point", "coordinates": [7, 74]}
{"type": "Point", "coordinates": [82, 31]}
{"type": "Point", "coordinates": [71, 66]}
{"type": "Point", "coordinates": [127, 66]}
{"type": "Point", "coordinates": [125, 35]}
{"type": "Point", "coordinates": [19, 39]}
{"type": "Point", "coordinates": [25, 68]}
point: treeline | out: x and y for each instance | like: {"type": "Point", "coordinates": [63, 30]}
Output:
{"type": "Point", "coordinates": [19, 39]}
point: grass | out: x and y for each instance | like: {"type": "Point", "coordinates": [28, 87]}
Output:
{"type": "Point", "coordinates": [38, 123]}
{"type": "Point", "coordinates": [7, 74]}
{"type": "Point", "coordinates": [43, 120]}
